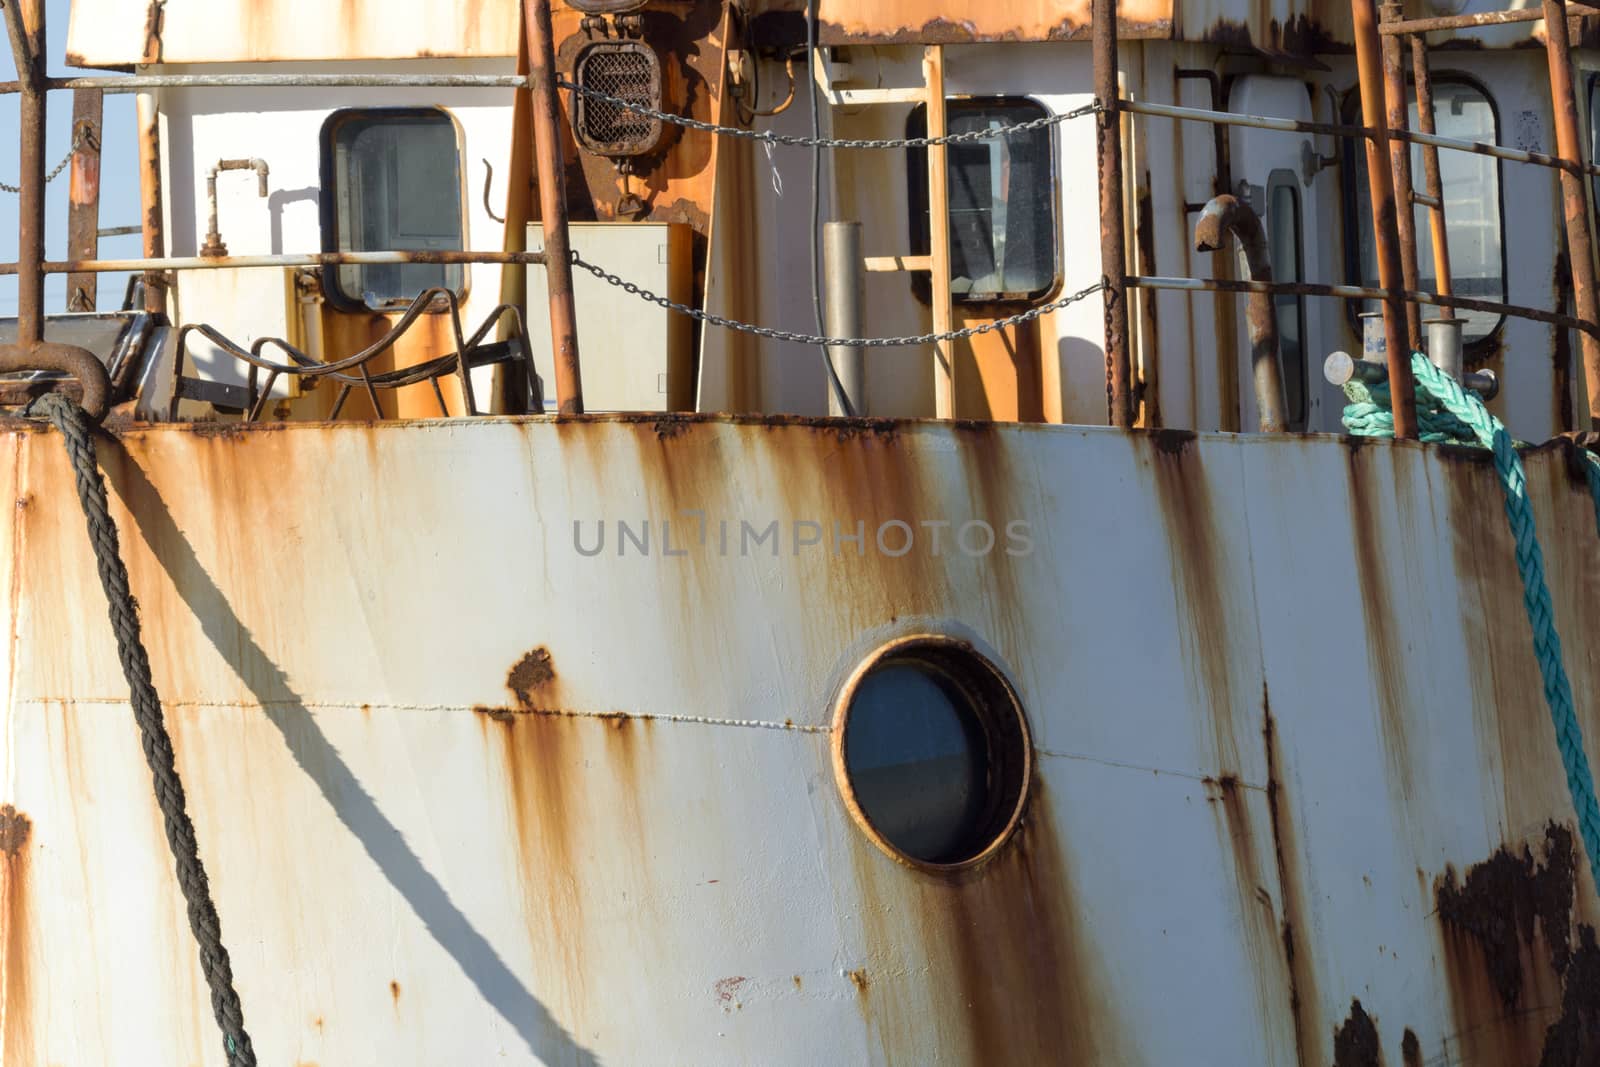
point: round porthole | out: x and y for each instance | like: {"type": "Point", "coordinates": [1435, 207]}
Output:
{"type": "Point", "coordinates": [932, 751]}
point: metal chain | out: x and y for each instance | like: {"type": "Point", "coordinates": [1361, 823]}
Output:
{"type": "Point", "coordinates": [77, 143]}
{"type": "Point", "coordinates": [813, 339]}
{"type": "Point", "coordinates": [831, 142]}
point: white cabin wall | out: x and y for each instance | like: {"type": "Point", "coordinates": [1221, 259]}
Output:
{"type": "Point", "coordinates": [284, 127]}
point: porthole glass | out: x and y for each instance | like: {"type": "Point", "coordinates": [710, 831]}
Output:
{"type": "Point", "coordinates": [932, 751]}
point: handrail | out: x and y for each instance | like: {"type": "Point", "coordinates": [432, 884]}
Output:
{"type": "Point", "coordinates": [296, 259]}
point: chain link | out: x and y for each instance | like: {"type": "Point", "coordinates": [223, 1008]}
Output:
{"type": "Point", "coordinates": [812, 339]}
{"type": "Point", "coordinates": [831, 142]}
{"type": "Point", "coordinates": [77, 143]}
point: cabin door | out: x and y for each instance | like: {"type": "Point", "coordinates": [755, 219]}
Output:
{"type": "Point", "coordinates": [1271, 174]}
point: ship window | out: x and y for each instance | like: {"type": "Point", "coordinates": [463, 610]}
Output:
{"type": "Point", "coordinates": [395, 177]}
{"type": "Point", "coordinates": [932, 751]}
{"type": "Point", "coordinates": [1002, 203]}
{"type": "Point", "coordinates": [1471, 185]}
{"type": "Point", "coordinates": [1283, 239]}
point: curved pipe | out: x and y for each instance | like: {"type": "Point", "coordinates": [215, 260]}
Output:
{"type": "Point", "coordinates": [1228, 213]}
{"type": "Point", "coordinates": [214, 246]}
{"type": "Point", "coordinates": [80, 363]}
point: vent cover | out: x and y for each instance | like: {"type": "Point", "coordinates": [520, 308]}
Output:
{"type": "Point", "coordinates": [630, 71]}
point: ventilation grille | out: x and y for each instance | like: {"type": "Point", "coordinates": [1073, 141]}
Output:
{"type": "Point", "coordinates": [627, 70]}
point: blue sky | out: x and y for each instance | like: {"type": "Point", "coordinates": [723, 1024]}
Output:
{"type": "Point", "coordinates": [119, 175]}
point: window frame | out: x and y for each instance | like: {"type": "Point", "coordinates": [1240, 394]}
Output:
{"type": "Point", "coordinates": [1351, 114]}
{"type": "Point", "coordinates": [920, 239]}
{"type": "Point", "coordinates": [1283, 178]}
{"type": "Point", "coordinates": [328, 206]}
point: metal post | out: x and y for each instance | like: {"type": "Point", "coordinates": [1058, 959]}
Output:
{"type": "Point", "coordinates": [83, 197]}
{"type": "Point", "coordinates": [944, 353]}
{"type": "Point", "coordinates": [1433, 185]}
{"type": "Point", "coordinates": [1394, 94]}
{"type": "Point", "coordinates": [1113, 246]}
{"type": "Point", "coordinates": [1444, 346]}
{"type": "Point", "coordinates": [1369, 65]}
{"type": "Point", "coordinates": [1574, 198]}
{"type": "Point", "coordinates": [845, 275]}
{"type": "Point", "coordinates": [553, 206]}
{"type": "Point", "coordinates": [155, 236]}
{"type": "Point", "coordinates": [27, 25]}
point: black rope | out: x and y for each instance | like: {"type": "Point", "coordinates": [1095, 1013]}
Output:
{"type": "Point", "coordinates": [78, 433]}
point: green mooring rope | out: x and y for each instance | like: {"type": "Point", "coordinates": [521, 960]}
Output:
{"type": "Point", "coordinates": [1454, 414]}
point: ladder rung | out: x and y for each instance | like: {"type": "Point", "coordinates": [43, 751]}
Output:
{"type": "Point", "coordinates": [894, 263]}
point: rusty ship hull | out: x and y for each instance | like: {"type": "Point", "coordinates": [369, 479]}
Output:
{"type": "Point", "coordinates": [468, 793]}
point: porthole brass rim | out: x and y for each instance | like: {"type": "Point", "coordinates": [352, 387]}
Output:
{"type": "Point", "coordinates": [1010, 705]}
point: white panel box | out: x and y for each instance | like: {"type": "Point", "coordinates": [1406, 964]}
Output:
{"type": "Point", "coordinates": [634, 355]}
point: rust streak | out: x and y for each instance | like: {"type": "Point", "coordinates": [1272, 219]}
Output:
{"type": "Point", "coordinates": [1355, 1044]}
{"type": "Point", "coordinates": [16, 1038]}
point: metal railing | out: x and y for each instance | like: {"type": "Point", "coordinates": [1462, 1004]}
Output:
{"type": "Point", "coordinates": [1384, 129]}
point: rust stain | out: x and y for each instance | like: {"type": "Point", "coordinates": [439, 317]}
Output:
{"type": "Point", "coordinates": [1524, 978]}
{"type": "Point", "coordinates": [858, 978]}
{"type": "Point", "coordinates": [394, 992]}
{"type": "Point", "coordinates": [1019, 982]}
{"type": "Point", "coordinates": [1380, 607]}
{"type": "Point", "coordinates": [1198, 573]}
{"type": "Point", "coordinates": [1355, 1043]}
{"type": "Point", "coordinates": [1256, 915]}
{"type": "Point", "coordinates": [16, 1043]}
{"type": "Point", "coordinates": [532, 674]}
{"type": "Point", "coordinates": [1410, 1050]}
{"type": "Point", "coordinates": [726, 990]}
{"type": "Point", "coordinates": [1303, 1001]}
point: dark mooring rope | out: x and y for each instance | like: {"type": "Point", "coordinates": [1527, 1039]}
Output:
{"type": "Point", "coordinates": [78, 433]}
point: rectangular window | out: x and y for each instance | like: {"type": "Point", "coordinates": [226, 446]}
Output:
{"type": "Point", "coordinates": [395, 177]}
{"type": "Point", "coordinates": [1471, 186]}
{"type": "Point", "coordinates": [1002, 202]}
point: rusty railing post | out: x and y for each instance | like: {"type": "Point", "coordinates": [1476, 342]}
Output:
{"type": "Point", "coordinates": [153, 226]}
{"type": "Point", "coordinates": [1369, 66]}
{"type": "Point", "coordinates": [83, 198]}
{"type": "Point", "coordinates": [553, 206]}
{"type": "Point", "coordinates": [1432, 183]}
{"type": "Point", "coordinates": [1394, 94]}
{"type": "Point", "coordinates": [1574, 198]}
{"type": "Point", "coordinates": [1113, 240]}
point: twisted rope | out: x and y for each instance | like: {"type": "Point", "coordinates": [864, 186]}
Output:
{"type": "Point", "coordinates": [1439, 390]}
{"type": "Point", "coordinates": [78, 434]}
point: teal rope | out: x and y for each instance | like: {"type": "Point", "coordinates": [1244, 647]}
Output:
{"type": "Point", "coordinates": [1439, 393]}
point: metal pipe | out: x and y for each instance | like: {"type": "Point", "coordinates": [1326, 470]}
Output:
{"type": "Point", "coordinates": [137, 83]}
{"type": "Point", "coordinates": [553, 207]}
{"type": "Point", "coordinates": [291, 259]}
{"type": "Point", "coordinates": [1406, 27]}
{"type": "Point", "coordinates": [1267, 122]}
{"type": "Point", "coordinates": [1359, 292]}
{"type": "Point", "coordinates": [1438, 232]}
{"type": "Point", "coordinates": [1394, 95]}
{"type": "Point", "coordinates": [1369, 66]}
{"type": "Point", "coordinates": [1222, 215]}
{"type": "Point", "coordinates": [1574, 197]}
{"type": "Point", "coordinates": [1113, 238]}
{"type": "Point", "coordinates": [845, 279]}
{"type": "Point", "coordinates": [83, 197]}
{"type": "Point", "coordinates": [1339, 368]}
{"type": "Point", "coordinates": [1444, 346]}
{"type": "Point", "coordinates": [214, 246]}
{"type": "Point", "coordinates": [150, 201]}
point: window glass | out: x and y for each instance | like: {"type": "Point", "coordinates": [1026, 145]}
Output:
{"type": "Point", "coordinates": [1002, 202]}
{"type": "Point", "coordinates": [1283, 239]}
{"type": "Point", "coordinates": [397, 186]}
{"type": "Point", "coordinates": [1471, 186]}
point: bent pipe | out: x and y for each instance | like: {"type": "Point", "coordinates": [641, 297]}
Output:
{"type": "Point", "coordinates": [1221, 215]}
{"type": "Point", "coordinates": [80, 363]}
